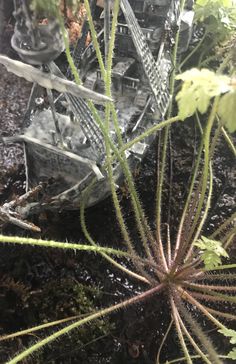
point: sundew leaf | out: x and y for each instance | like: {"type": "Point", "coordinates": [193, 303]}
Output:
{"type": "Point", "coordinates": [211, 252]}
{"type": "Point", "coordinates": [199, 86]}
{"type": "Point", "coordinates": [227, 111]}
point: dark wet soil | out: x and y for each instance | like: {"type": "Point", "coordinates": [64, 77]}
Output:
{"type": "Point", "coordinates": [14, 93]}
{"type": "Point", "coordinates": [37, 285]}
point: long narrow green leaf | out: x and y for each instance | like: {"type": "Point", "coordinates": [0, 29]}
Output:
{"type": "Point", "coordinates": [83, 321]}
{"type": "Point", "coordinates": [61, 245]}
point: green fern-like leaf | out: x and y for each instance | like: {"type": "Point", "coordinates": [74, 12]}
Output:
{"type": "Point", "coordinates": [210, 259]}
{"type": "Point", "coordinates": [198, 88]}
{"type": "Point", "coordinates": [211, 252]}
{"type": "Point", "coordinates": [232, 334]}
{"type": "Point", "coordinates": [232, 354]}
{"type": "Point", "coordinates": [229, 333]}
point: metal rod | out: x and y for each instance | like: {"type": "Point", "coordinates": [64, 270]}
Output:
{"type": "Point", "coordinates": [26, 119]}
{"type": "Point", "coordinates": [55, 119]}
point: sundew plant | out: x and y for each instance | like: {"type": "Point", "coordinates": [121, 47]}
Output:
{"type": "Point", "coordinates": [187, 269]}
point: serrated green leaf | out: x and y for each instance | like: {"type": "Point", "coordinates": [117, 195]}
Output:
{"type": "Point", "coordinates": [203, 101]}
{"type": "Point", "coordinates": [229, 333]}
{"type": "Point", "coordinates": [232, 334]}
{"type": "Point", "coordinates": [210, 259]}
{"type": "Point", "coordinates": [211, 252]}
{"type": "Point", "coordinates": [215, 245]}
{"type": "Point", "coordinates": [198, 88]}
{"type": "Point", "coordinates": [232, 354]}
{"type": "Point", "coordinates": [227, 111]}
{"type": "Point", "coordinates": [187, 103]}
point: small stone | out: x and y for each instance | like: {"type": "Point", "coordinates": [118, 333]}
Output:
{"type": "Point", "coordinates": [14, 107]}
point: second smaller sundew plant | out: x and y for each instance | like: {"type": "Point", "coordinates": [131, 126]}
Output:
{"type": "Point", "coordinates": [176, 267]}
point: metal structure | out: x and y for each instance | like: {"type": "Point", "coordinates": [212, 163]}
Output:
{"type": "Point", "coordinates": [64, 147]}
